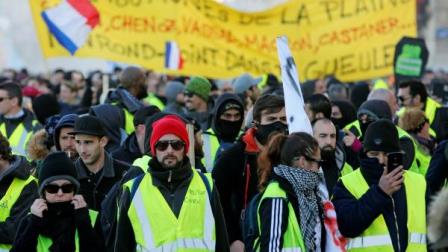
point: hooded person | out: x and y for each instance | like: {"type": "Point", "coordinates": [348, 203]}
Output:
{"type": "Point", "coordinates": [63, 140]}
{"type": "Point", "coordinates": [45, 106]}
{"type": "Point", "coordinates": [227, 120]}
{"type": "Point", "coordinates": [342, 113]}
{"type": "Point", "coordinates": [134, 145]}
{"type": "Point", "coordinates": [60, 219]}
{"type": "Point", "coordinates": [113, 121]}
{"type": "Point", "coordinates": [379, 200]}
{"type": "Point", "coordinates": [371, 111]}
{"type": "Point", "coordinates": [359, 93]}
{"type": "Point", "coordinates": [174, 93]}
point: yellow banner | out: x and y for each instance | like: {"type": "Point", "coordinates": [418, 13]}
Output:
{"type": "Point", "coordinates": [352, 39]}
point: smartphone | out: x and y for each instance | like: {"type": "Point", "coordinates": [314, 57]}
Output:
{"type": "Point", "coordinates": [394, 160]}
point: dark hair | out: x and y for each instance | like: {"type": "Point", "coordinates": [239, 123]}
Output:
{"type": "Point", "coordinates": [143, 113]}
{"type": "Point", "coordinates": [282, 150]}
{"type": "Point", "coordinates": [269, 102]}
{"type": "Point", "coordinates": [13, 89]}
{"type": "Point", "coordinates": [416, 88]}
{"type": "Point", "coordinates": [319, 103]}
{"type": "Point", "coordinates": [5, 149]}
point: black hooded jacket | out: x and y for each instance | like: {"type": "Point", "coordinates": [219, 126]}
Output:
{"type": "Point", "coordinates": [218, 110]}
{"type": "Point", "coordinates": [129, 150]}
{"type": "Point", "coordinates": [112, 118]}
{"type": "Point", "coordinates": [19, 168]}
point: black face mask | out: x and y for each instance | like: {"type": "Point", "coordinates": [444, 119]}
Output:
{"type": "Point", "coordinates": [372, 166]}
{"type": "Point", "coordinates": [339, 122]}
{"type": "Point", "coordinates": [228, 130]}
{"type": "Point", "coordinates": [65, 208]}
{"type": "Point", "coordinates": [264, 131]}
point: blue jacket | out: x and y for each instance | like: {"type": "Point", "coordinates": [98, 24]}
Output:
{"type": "Point", "coordinates": [437, 173]}
{"type": "Point", "coordinates": [354, 216]}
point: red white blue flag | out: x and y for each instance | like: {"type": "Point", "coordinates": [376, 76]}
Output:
{"type": "Point", "coordinates": [71, 22]}
{"type": "Point", "coordinates": [173, 56]}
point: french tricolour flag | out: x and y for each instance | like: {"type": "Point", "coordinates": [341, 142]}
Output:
{"type": "Point", "coordinates": [173, 56]}
{"type": "Point", "coordinates": [71, 22]}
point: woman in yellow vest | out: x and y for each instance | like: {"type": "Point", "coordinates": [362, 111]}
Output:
{"type": "Point", "coordinates": [59, 220]}
{"type": "Point", "coordinates": [380, 206]}
{"type": "Point", "coordinates": [290, 212]}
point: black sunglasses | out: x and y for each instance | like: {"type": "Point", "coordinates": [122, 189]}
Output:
{"type": "Point", "coordinates": [4, 98]}
{"type": "Point", "coordinates": [67, 188]}
{"type": "Point", "coordinates": [175, 144]}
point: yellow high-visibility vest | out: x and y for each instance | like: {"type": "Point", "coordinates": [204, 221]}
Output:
{"type": "Point", "coordinates": [158, 229]}
{"type": "Point", "coordinates": [10, 198]}
{"type": "Point", "coordinates": [292, 238]}
{"type": "Point", "coordinates": [376, 237]}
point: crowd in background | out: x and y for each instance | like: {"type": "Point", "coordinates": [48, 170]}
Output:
{"type": "Point", "coordinates": [102, 162]}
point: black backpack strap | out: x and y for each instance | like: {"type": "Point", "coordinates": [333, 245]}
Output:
{"type": "Point", "coordinates": [207, 184]}
{"type": "Point", "coordinates": [135, 185]}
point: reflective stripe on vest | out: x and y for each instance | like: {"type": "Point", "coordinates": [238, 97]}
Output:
{"type": "Point", "coordinates": [292, 238]}
{"type": "Point", "coordinates": [44, 243]}
{"type": "Point", "coordinates": [210, 148]}
{"type": "Point", "coordinates": [376, 236]}
{"type": "Point", "coordinates": [17, 139]}
{"type": "Point", "coordinates": [158, 229]}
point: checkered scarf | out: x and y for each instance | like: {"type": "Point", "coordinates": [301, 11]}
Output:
{"type": "Point", "coordinates": [305, 184]}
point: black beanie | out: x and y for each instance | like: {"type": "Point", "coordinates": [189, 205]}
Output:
{"type": "Point", "coordinates": [381, 135]}
{"type": "Point", "coordinates": [57, 166]}
{"type": "Point", "coordinates": [45, 106]}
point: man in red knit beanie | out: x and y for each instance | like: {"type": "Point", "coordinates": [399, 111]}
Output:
{"type": "Point", "coordinates": [170, 198]}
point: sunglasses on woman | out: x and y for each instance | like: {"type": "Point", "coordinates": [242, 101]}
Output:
{"type": "Point", "coordinates": [67, 188]}
{"type": "Point", "coordinates": [175, 144]}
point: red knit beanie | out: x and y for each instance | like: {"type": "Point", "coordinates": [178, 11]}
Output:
{"type": "Point", "coordinates": [170, 124]}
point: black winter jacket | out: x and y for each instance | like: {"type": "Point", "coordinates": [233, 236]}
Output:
{"type": "Point", "coordinates": [173, 185]}
{"type": "Point", "coordinates": [236, 178]}
{"type": "Point", "coordinates": [94, 187]}
{"type": "Point", "coordinates": [18, 169]}
{"type": "Point", "coordinates": [128, 151]}
{"type": "Point", "coordinates": [61, 230]}
{"type": "Point", "coordinates": [437, 172]}
{"type": "Point", "coordinates": [356, 215]}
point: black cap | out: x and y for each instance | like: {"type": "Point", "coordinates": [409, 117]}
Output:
{"type": "Point", "coordinates": [381, 135]}
{"type": "Point", "coordinates": [57, 166]}
{"type": "Point", "coordinates": [88, 125]}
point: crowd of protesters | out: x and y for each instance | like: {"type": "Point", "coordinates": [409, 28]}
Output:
{"type": "Point", "coordinates": [134, 160]}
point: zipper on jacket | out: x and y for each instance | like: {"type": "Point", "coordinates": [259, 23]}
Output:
{"type": "Point", "coordinates": [396, 224]}
{"type": "Point", "coordinates": [169, 176]}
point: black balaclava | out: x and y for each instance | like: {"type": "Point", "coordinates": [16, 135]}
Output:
{"type": "Point", "coordinates": [228, 130]}
{"type": "Point", "coordinates": [348, 112]}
